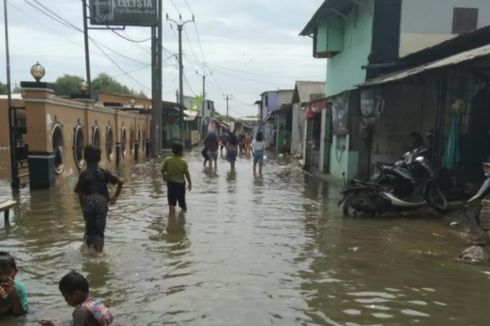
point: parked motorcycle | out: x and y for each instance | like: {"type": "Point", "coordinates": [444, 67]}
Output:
{"type": "Point", "coordinates": [481, 195]}
{"type": "Point", "coordinates": [406, 185]}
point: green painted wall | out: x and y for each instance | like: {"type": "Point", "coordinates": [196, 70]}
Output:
{"type": "Point", "coordinates": [343, 160]}
{"type": "Point", "coordinates": [344, 69]}
{"type": "Point", "coordinates": [321, 40]}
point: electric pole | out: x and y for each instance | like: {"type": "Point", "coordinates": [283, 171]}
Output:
{"type": "Point", "coordinates": [203, 75]}
{"type": "Point", "coordinates": [180, 26]}
{"type": "Point", "coordinates": [156, 83]}
{"type": "Point", "coordinates": [87, 55]}
{"type": "Point", "coordinates": [11, 112]}
{"type": "Point", "coordinates": [227, 97]}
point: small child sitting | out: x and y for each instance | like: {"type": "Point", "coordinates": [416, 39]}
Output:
{"type": "Point", "coordinates": [88, 311]}
{"type": "Point", "coordinates": [13, 294]}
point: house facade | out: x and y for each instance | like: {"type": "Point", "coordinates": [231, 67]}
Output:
{"type": "Point", "coordinates": [364, 38]}
{"type": "Point", "coordinates": [271, 127]}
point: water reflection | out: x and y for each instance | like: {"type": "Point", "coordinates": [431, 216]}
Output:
{"type": "Point", "coordinates": [176, 227]}
{"type": "Point", "coordinates": [252, 250]}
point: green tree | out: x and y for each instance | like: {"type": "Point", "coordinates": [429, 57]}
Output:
{"type": "Point", "coordinates": [67, 85]}
{"type": "Point", "coordinates": [197, 103]}
{"type": "Point", "coordinates": [106, 84]}
{"type": "Point", "coordinates": [3, 88]}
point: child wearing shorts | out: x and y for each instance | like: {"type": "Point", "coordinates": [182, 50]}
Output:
{"type": "Point", "coordinates": [175, 172]}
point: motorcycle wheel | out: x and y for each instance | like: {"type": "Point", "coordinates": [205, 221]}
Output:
{"type": "Point", "coordinates": [436, 199]}
{"type": "Point", "coordinates": [349, 210]}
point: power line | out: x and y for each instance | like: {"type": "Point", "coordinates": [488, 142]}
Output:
{"type": "Point", "coordinates": [257, 74]}
{"type": "Point", "coordinates": [251, 80]}
{"type": "Point", "coordinates": [58, 16]}
{"type": "Point", "coordinates": [118, 66]}
{"type": "Point", "coordinates": [129, 39]}
{"type": "Point", "coordinates": [190, 44]}
{"type": "Point", "coordinates": [189, 85]}
{"type": "Point", "coordinates": [131, 71]}
{"type": "Point", "coordinates": [44, 25]}
{"type": "Point", "coordinates": [173, 4]}
{"type": "Point", "coordinates": [64, 22]}
{"type": "Point", "coordinates": [48, 14]}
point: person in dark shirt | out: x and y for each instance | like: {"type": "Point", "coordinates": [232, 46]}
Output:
{"type": "Point", "coordinates": [212, 145]}
{"type": "Point", "coordinates": [94, 197]}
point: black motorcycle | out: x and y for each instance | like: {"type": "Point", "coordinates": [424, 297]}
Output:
{"type": "Point", "coordinates": [406, 185]}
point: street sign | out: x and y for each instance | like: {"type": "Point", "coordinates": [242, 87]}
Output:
{"type": "Point", "coordinates": [123, 12]}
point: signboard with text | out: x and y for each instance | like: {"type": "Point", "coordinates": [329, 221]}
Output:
{"type": "Point", "coordinates": [123, 12]}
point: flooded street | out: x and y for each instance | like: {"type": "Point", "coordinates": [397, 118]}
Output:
{"type": "Point", "coordinates": [271, 250]}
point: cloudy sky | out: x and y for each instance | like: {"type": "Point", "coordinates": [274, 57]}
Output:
{"type": "Point", "coordinates": [249, 46]}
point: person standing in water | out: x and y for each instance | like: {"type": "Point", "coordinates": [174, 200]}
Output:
{"type": "Point", "coordinates": [232, 150]}
{"type": "Point", "coordinates": [94, 197]}
{"type": "Point", "coordinates": [258, 147]}
{"type": "Point", "coordinates": [175, 171]}
{"type": "Point", "coordinates": [212, 145]}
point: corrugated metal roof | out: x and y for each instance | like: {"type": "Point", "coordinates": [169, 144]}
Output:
{"type": "Point", "coordinates": [449, 61]}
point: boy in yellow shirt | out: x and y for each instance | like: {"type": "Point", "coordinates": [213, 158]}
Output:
{"type": "Point", "coordinates": [175, 171]}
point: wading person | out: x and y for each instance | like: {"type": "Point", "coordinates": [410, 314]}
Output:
{"type": "Point", "coordinates": [88, 311]}
{"type": "Point", "coordinates": [175, 171]}
{"type": "Point", "coordinates": [232, 150]}
{"type": "Point", "coordinates": [204, 153]}
{"type": "Point", "coordinates": [13, 294]}
{"type": "Point", "coordinates": [258, 147]}
{"type": "Point", "coordinates": [212, 145]}
{"type": "Point", "coordinates": [94, 197]}
{"type": "Point", "coordinates": [223, 141]}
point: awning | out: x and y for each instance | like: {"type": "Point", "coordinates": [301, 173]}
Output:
{"type": "Point", "coordinates": [449, 61]}
{"type": "Point", "coordinates": [315, 107]}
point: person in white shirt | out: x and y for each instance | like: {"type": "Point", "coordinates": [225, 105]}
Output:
{"type": "Point", "coordinates": [258, 147]}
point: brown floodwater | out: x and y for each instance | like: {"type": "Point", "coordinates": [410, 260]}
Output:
{"type": "Point", "coordinates": [252, 250]}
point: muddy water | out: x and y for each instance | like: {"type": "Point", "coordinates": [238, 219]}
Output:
{"type": "Point", "coordinates": [251, 251]}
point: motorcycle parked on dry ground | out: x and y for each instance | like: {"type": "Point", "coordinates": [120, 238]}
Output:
{"type": "Point", "coordinates": [406, 185]}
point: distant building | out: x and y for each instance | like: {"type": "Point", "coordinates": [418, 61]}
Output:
{"type": "Point", "coordinates": [271, 101]}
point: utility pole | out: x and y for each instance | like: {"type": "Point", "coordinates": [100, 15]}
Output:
{"type": "Point", "coordinates": [11, 112]}
{"type": "Point", "coordinates": [180, 25]}
{"type": "Point", "coordinates": [87, 55]}
{"type": "Point", "coordinates": [203, 75]}
{"type": "Point", "coordinates": [156, 84]}
{"type": "Point", "coordinates": [227, 97]}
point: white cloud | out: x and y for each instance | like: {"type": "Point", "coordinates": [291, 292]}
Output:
{"type": "Point", "coordinates": [249, 45]}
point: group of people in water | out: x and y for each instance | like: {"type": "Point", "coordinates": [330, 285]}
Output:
{"type": "Point", "coordinates": [94, 201]}
{"type": "Point", "coordinates": [233, 145]}
{"type": "Point", "coordinates": [93, 193]}
{"type": "Point", "coordinates": [73, 286]}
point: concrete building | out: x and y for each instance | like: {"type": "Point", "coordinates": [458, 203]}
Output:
{"type": "Point", "coordinates": [304, 93]}
{"type": "Point", "coordinates": [271, 101]}
{"type": "Point", "coordinates": [443, 90]}
{"type": "Point", "coordinates": [204, 113]}
{"type": "Point", "coordinates": [360, 40]}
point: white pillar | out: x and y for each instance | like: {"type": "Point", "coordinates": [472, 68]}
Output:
{"type": "Point", "coordinates": [321, 162]}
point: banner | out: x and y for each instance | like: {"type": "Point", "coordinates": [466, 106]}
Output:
{"type": "Point", "coordinates": [315, 107]}
{"type": "Point", "coordinates": [123, 12]}
{"type": "Point", "coordinates": [340, 108]}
